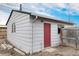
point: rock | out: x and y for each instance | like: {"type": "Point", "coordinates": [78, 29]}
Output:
{"type": "Point", "coordinates": [3, 47]}
{"type": "Point", "coordinates": [9, 46]}
{"type": "Point", "coordinates": [6, 46]}
{"type": "Point", "coordinates": [19, 52]}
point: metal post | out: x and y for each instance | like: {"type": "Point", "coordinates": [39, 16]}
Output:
{"type": "Point", "coordinates": [20, 7]}
{"type": "Point", "coordinates": [76, 38]}
{"type": "Point", "coordinates": [32, 39]}
{"type": "Point", "coordinates": [68, 12]}
{"type": "Point", "coordinates": [32, 35]}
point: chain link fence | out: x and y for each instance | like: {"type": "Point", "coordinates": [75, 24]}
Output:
{"type": "Point", "coordinates": [70, 37]}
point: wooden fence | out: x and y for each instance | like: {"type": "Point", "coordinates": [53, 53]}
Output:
{"type": "Point", "coordinates": [71, 37]}
{"type": "Point", "coordinates": [3, 33]}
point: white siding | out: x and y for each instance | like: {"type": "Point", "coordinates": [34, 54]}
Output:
{"type": "Point", "coordinates": [22, 38]}
{"type": "Point", "coordinates": [38, 35]}
{"type": "Point", "coordinates": [55, 40]}
{"type": "Point", "coordinates": [23, 35]}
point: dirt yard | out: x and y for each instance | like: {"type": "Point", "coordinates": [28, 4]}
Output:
{"type": "Point", "coordinates": [60, 51]}
{"type": "Point", "coordinates": [57, 51]}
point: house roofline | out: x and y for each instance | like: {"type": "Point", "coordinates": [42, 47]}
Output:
{"type": "Point", "coordinates": [16, 11]}
{"type": "Point", "coordinates": [58, 21]}
{"type": "Point", "coordinates": [47, 19]}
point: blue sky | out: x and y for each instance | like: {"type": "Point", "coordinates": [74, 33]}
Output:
{"type": "Point", "coordinates": [59, 11]}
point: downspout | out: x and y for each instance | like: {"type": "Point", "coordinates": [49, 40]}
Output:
{"type": "Point", "coordinates": [32, 33]}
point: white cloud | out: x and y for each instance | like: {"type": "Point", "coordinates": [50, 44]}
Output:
{"type": "Point", "coordinates": [33, 7]}
{"type": "Point", "coordinates": [60, 5]}
{"type": "Point", "coordinates": [3, 18]}
{"type": "Point", "coordinates": [12, 6]}
{"type": "Point", "coordinates": [40, 9]}
{"type": "Point", "coordinates": [74, 6]}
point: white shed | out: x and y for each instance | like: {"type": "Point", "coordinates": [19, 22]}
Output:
{"type": "Point", "coordinates": [31, 32]}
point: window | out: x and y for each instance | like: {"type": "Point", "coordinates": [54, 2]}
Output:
{"type": "Point", "coordinates": [13, 28]}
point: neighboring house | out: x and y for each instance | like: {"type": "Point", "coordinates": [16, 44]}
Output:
{"type": "Point", "coordinates": [3, 32]}
{"type": "Point", "coordinates": [31, 32]}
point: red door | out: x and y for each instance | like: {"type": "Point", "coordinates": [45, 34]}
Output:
{"type": "Point", "coordinates": [47, 34]}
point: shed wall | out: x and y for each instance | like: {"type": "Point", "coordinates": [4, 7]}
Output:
{"type": "Point", "coordinates": [22, 38]}
{"type": "Point", "coordinates": [38, 35]}
{"type": "Point", "coordinates": [23, 35]}
{"type": "Point", "coordinates": [55, 39]}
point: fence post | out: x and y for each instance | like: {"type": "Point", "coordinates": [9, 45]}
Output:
{"type": "Point", "coordinates": [76, 38]}
{"type": "Point", "coordinates": [76, 42]}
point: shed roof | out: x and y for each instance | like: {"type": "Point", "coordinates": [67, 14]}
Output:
{"type": "Point", "coordinates": [48, 18]}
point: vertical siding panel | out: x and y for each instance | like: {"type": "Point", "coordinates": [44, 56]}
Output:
{"type": "Point", "coordinates": [54, 35]}
{"type": "Point", "coordinates": [38, 36]}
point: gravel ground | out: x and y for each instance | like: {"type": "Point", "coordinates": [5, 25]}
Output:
{"type": "Point", "coordinates": [5, 53]}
